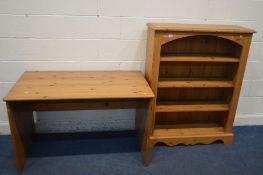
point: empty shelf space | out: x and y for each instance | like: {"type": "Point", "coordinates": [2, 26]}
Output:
{"type": "Point", "coordinates": [197, 71]}
{"type": "Point", "coordinates": [187, 130]}
{"type": "Point", "coordinates": [202, 45]}
{"type": "Point", "coordinates": [193, 96]}
{"type": "Point", "coordinates": [191, 107]}
{"type": "Point", "coordinates": [175, 83]}
{"type": "Point", "coordinates": [199, 58]}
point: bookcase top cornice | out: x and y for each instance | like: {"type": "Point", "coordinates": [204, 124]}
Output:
{"type": "Point", "coordinates": [213, 28]}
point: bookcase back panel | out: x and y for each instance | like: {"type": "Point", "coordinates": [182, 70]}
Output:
{"type": "Point", "coordinates": [194, 95]}
{"type": "Point", "coordinates": [177, 118]}
{"type": "Point", "coordinates": [197, 70]}
{"type": "Point", "coordinates": [202, 44]}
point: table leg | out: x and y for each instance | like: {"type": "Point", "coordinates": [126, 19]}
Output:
{"type": "Point", "coordinates": [22, 129]}
{"type": "Point", "coordinates": [143, 123]}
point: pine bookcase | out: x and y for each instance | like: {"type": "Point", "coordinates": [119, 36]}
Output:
{"type": "Point", "coordinates": [196, 73]}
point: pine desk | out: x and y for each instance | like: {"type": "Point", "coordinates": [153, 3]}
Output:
{"type": "Point", "coordinates": [73, 90]}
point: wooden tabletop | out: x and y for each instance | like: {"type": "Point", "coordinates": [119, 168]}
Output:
{"type": "Point", "coordinates": [214, 28]}
{"type": "Point", "coordinates": [68, 85]}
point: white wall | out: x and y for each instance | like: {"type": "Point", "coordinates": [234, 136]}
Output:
{"type": "Point", "coordinates": [110, 35]}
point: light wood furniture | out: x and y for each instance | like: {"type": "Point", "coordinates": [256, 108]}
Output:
{"type": "Point", "coordinates": [73, 90]}
{"type": "Point", "coordinates": [195, 72]}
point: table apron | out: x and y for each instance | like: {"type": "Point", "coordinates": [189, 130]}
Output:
{"type": "Point", "coordinates": [62, 105]}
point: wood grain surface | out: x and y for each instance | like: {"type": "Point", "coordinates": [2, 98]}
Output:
{"type": "Point", "coordinates": [176, 27]}
{"type": "Point", "coordinates": [68, 85]}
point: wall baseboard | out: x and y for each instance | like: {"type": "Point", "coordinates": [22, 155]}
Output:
{"type": "Point", "coordinates": [248, 119]}
{"type": "Point", "coordinates": [4, 127]}
{"type": "Point", "coordinates": [240, 120]}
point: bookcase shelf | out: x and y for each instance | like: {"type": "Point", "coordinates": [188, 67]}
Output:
{"type": "Point", "coordinates": [192, 107]}
{"type": "Point", "coordinates": [196, 73]}
{"type": "Point", "coordinates": [173, 83]}
{"type": "Point", "coordinates": [198, 58]}
{"type": "Point", "coordinates": [187, 129]}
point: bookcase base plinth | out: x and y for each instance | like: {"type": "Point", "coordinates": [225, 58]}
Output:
{"type": "Point", "coordinates": [226, 138]}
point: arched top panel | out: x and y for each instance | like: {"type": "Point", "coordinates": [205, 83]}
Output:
{"type": "Point", "coordinates": [202, 45]}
